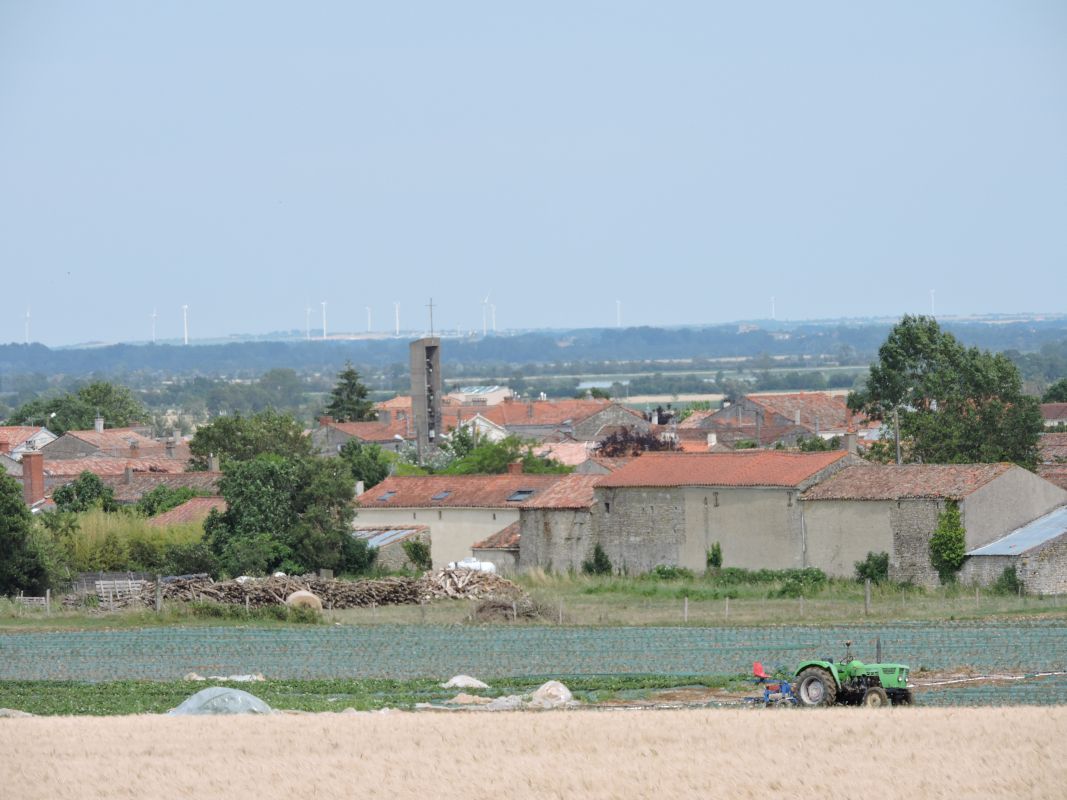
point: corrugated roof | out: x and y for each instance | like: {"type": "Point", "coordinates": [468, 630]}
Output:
{"type": "Point", "coordinates": [378, 536]}
{"type": "Point", "coordinates": [464, 491]}
{"type": "Point", "coordinates": [742, 468]}
{"type": "Point", "coordinates": [193, 510]}
{"type": "Point", "coordinates": [1027, 537]}
{"type": "Point", "coordinates": [895, 482]}
{"type": "Point", "coordinates": [506, 539]}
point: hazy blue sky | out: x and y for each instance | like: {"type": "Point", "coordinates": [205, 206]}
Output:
{"type": "Point", "coordinates": [688, 159]}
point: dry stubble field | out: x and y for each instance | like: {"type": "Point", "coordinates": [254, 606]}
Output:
{"type": "Point", "coordinates": [838, 753]}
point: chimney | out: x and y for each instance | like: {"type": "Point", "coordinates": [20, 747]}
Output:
{"type": "Point", "coordinates": [713, 439]}
{"type": "Point", "coordinates": [850, 443]}
{"type": "Point", "coordinates": [127, 475]}
{"type": "Point", "coordinates": [515, 467]}
{"type": "Point", "coordinates": [325, 420]}
{"type": "Point", "coordinates": [32, 477]}
{"type": "Point", "coordinates": [98, 424]}
{"type": "Point", "coordinates": [5, 446]}
{"type": "Point", "coordinates": [360, 488]}
{"type": "Point", "coordinates": [796, 417]}
{"type": "Point", "coordinates": [385, 416]}
{"type": "Point", "coordinates": [510, 398]}
{"type": "Point", "coordinates": [212, 463]}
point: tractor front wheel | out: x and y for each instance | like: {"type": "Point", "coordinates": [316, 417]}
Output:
{"type": "Point", "coordinates": [816, 687]}
{"type": "Point", "coordinates": [875, 697]}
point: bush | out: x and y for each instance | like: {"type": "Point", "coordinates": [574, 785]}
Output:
{"type": "Point", "coordinates": [948, 544]}
{"type": "Point", "coordinates": [809, 576]}
{"type": "Point", "coordinates": [280, 613]}
{"type": "Point", "coordinates": [192, 558]}
{"type": "Point", "coordinates": [599, 564]}
{"type": "Point", "coordinates": [875, 567]}
{"type": "Point", "coordinates": [1008, 582]}
{"type": "Point", "coordinates": [715, 556]}
{"type": "Point", "coordinates": [418, 553]}
{"type": "Point", "coordinates": [667, 572]}
{"type": "Point", "coordinates": [357, 557]}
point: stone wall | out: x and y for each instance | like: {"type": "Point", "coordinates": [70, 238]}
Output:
{"type": "Point", "coordinates": [1043, 570]}
{"type": "Point", "coordinates": [555, 539]}
{"type": "Point", "coordinates": [912, 523]}
{"type": "Point", "coordinates": [756, 527]}
{"type": "Point", "coordinates": [641, 528]}
{"type": "Point", "coordinates": [392, 556]}
{"type": "Point", "coordinates": [838, 533]}
{"type": "Point", "coordinates": [984, 570]}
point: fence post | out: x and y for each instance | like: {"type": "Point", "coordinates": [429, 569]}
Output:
{"type": "Point", "coordinates": [159, 593]}
{"type": "Point", "coordinates": [48, 601]}
{"type": "Point", "coordinates": [561, 611]}
{"type": "Point", "coordinates": [727, 606]}
{"type": "Point", "coordinates": [867, 596]}
{"type": "Point", "coordinates": [802, 606]}
{"type": "Point", "coordinates": [877, 649]}
{"type": "Point", "coordinates": [685, 609]}
{"type": "Point", "coordinates": [976, 596]}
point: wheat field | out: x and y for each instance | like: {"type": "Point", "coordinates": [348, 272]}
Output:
{"type": "Point", "coordinates": [838, 753]}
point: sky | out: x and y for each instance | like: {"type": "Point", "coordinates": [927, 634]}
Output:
{"type": "Point", "coordinates": [581, 163]}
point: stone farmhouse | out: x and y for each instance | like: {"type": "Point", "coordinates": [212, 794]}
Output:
{"type": "Point", "coordinates": [1037, 551]}
{"type": "Point", "coordinates": [894, 509]}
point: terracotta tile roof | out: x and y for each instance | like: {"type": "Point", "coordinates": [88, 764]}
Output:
{"type": "Point", "coordinates": [373, 431]}
{"type": "Point", "coordinates": [1053, 448]}
{"type": "Point", "coordinates": [570, 453]}
{"type": "Point", "coordinates": [193, 510]}
{"type": "Point", "coordinates": [741, 468]}
{"type": "Point", "coordinates": [16, 435]}
{"type": "Point", "coordinates": [506, 539]}
{"type": "Point", "coordinates": [570, 491]}
{"type": "Point", "coordinates": [1054, 473]}
{"type": "Point", "coordinates": [109, 465]}
{"type": "Point", "coordinates": [455, 491]}
{"type": "Point", "coordinates": [695, 419]}
{"type": "Point", "coordinates": [893, 482]}
{"type": "Point", "coordinates": [817, 409]}
{"type": "Point", "coordinates": [399, 402]}
{"type": "Point", "coordinates": [143, 482]}
{"type": "Point", "coordinates": [612, 464]}
{"type": "Point", "coordinates": [118, 439]}
{"type": "Point", "coordinates": [1054, 412]}
{"type": "Point", "coordinates": [542, 412]}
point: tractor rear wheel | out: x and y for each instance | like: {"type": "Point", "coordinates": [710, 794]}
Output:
{"type": "Point", "coordinates": [875, 697]}
{"type": "Point", "coordinates": [816, 687]}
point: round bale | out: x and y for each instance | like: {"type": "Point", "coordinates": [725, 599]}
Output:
{"type": "Point", "coordinates": [303, 599]}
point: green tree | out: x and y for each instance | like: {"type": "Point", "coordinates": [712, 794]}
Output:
{"type": "Point", "coordinates": [1056, 393]}
{"type": "Point", "coordinates": [294, 513]}
{"type": "Point", "coordinates": [956, 405]}
{"type": "Point", "coordinates": [24, 562]}
{"type": "Point", "coordinates": [493, 458]}
{"type": "Point", "coordinates": [418, 553]}
{"type": "Point", "coordinates": [163, 498]}
{"type": "Point", "coordinates": [367, 462]}
{"type": "Point", "coordinates": [948, 544]}
{"type": "Point", "coordinates": [240, 438]}
{"type": "Point", "coordinates": [87, 491]}
{"type": "Point", "coordinates": [599, 564]}
{"type": "Point", "coordinates": [77, 411]}
{"type": "Point", "coordinates": [348, 399]}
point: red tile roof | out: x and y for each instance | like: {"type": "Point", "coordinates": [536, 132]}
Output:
{"type": "Point", "coordinates": [463, 491]}
{"type": "Point", "coordinates": [570, 453]}
{"type": "Point", "coordinates": [893, 482]}
{"type": "Point", "coordinates": [695, 419]}
{"type": "Point", "coordinates": [374, 431]}
{"type": "Point", "coordinates": [109, 465]}
{"type": "Point", "coordinates": [16, 435]}
{"type": "Point", "coordinates": [1054, 412]}
{"type": "Point", "coordinates": [193, 510]}
{"type": "Point", "coordinates": [741, 468]}
{"type": "Point", "coordinates": [118, 439]}
{"type": "Point", "coordinates": [506, 539]}
{"type": "Point", "coordinates": [542, 412]}
{"type": "Point", "coordinates": [1053, 448]}
{"type": "Point", "coordinates": [1054, 473]}
{"type": "Point", "coordinates": [570, 491]}
{"type": "Point", "coordinates": [819, 410]}
{"type": "Point", "coordinates": [143, 482]}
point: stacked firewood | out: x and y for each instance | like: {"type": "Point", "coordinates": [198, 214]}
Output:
{"type": "Point", "coordinates": [258, 592]}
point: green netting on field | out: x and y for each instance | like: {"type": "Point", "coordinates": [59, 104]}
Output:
{"type": "Point", "coordinates": [440, 652]}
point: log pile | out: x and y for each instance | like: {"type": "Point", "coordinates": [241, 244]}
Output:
{"type": "Point", "coordinates": [259, 592]}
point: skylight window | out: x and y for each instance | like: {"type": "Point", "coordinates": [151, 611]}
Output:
{"type": "Point", "coordinates": [442, 495]}
{"type": "Point", "coordinates": [385, 498]}
{"type": "Point", "coordinates": [520, 495]}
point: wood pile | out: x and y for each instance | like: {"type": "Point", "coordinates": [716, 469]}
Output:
{"type": "Point", "coordinates": [259, 592]}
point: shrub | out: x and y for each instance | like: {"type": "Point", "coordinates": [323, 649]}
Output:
{"type": "Point", "coordinates": [418, 553]}
{"type": "Point", "coordinates": [192, 558]}
{"type": "Point", "coordinates": [715, 556]}
{"type": "Point", "coordinates": [599, 564]}
{"type": "Point", "coordinates": [357, 557]}
{"type": "Point", "coordinates": [875, 567]}
{"type": "Point", "coordinates": [948, 544]}
{"type": "Point", "coordinates": [667, 572]}
{"type": "Point", "coordinates": [1008, 582]}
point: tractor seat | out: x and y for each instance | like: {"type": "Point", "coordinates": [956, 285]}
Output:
{"type": "Point", "coordinates": [759, 672]}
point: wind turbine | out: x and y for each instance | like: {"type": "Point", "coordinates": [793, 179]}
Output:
{"type": "Point", "coordinates": [618, 313]}
{"type": "Point", "coordinates": [932, 314]}
{"type": "Point", "coordinates": [396, 310]}
{"type": "Point", "coordinates": [485, 313]}
{"type": "Point", "coordinates": [307, 323]}
{"type": "Point", "coordinates": [324, 320]}
{"type": "Point", "coordinates": [772, 306]}
{"type": "Point", "coordinates": [185, 322]}
{"type": "Point", "coordinates": [492, 315]}
{"type": "Point", "coordinates": [368, 319]}
{"type": "Point", "coordinates": [27, 324]}
{"type": "Point", "coordinates": [154, 315]}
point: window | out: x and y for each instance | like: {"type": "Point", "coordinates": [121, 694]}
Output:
{"type": "Point", "coordinates": [520, 495]}
{"type": "Point", "coordinates": [442, 495]}
{"type": "Point", "coordinates": [385, 498]}
{"type": "Point", "coordinates": [607, 507]}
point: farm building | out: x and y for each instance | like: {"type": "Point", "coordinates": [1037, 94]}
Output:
{"type": "Point", "coordinates": [389, 541]}
{"type": "Point", "coordinates": [670, 508]}
{"type": "Point", "coordinates": [1037, 551]}
{"type": "Point", "coordinates": [895, 508]}
{"type": "Point", "coordinates": [501, 549]}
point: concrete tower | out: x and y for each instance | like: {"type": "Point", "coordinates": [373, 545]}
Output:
{"type": "Point", "coordinates": [426, 392]}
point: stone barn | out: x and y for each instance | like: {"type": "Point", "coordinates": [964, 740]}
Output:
{"type": "Point", "coordinates": [894, 509]}
{"type": "Point", "coordinates": [557, 525]}
{"type": "Point", "coordinates": [1037, 551]}
{"type": "Point", "coordinates": [670, 508]}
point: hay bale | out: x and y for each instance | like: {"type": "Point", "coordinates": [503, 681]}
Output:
{"type": "Point", "coordinates": [551, 694]}
{"type": "Point", "coordinates": [464, 682]}
{"type": "Point", "coordinates": [303, 599]}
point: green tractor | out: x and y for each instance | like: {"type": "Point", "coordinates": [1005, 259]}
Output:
{"type": "Point", "coordinates": [825, 683]}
